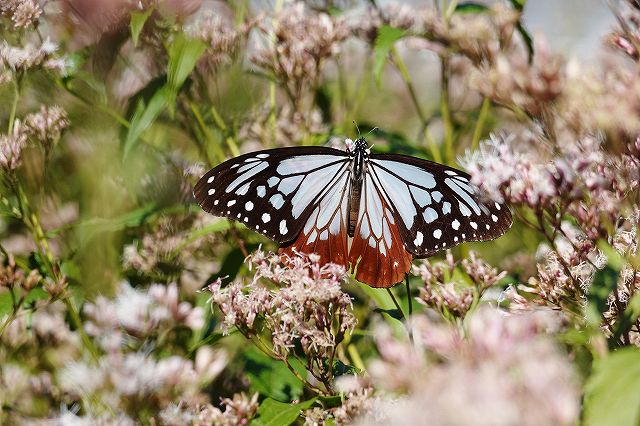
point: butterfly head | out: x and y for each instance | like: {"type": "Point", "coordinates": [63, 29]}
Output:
{"type": "Point", "coordinates": [359, 146]}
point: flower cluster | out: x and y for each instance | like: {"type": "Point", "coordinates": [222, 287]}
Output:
{"type": "Point", "coordinates": [303, 40]}
{"type": "Point", "coordinates": [21, 59]}
{"type": "Point", "coordinates": [307, 306]}
{"type": "Point", "coordinates": [23, 13]}
{"type": "Point", "coordinates": [140, 315]}
{"type": "Point", "coordinates": [47, 125]}
{"type": "Point", "coordinates": [446, 292]}
{"type": "Point", "coordinates": [491, 377]}
{"type": "Point", "coordinates": [11, 146]}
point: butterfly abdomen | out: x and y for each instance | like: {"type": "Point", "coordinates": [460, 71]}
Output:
{"type": "Point", "coordinates": [354, 204]}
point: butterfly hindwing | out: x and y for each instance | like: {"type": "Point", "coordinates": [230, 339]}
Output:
{"type": "Point", "coordinates": [377, 253]}
{"type": "Point", "coordinates": [272, 191]}
{"type": "Point", "coordinates": [435, 206]}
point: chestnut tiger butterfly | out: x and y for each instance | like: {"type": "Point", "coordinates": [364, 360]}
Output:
{"type": "Point", "coordinates": [371, 213]}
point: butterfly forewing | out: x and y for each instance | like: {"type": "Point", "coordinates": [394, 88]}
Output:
{"type": "Point", "coordinates": [273, 191]}
{"type": "Point", "coordinates": [435, 206]}
{"type": "Point", "coordinates": [325, 230]}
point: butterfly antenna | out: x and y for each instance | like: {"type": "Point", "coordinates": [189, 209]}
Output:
{"type": "Point", "coordinates": [372, 130]}
{"type": "Point", "coordinates": [357, 128]}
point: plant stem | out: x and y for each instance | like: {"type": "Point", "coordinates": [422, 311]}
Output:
{"type": "Point", "coordinates": [404, 72]}
{"type": "Point", "coordinates": [395, 302]}
{"type": "Point", "coordinates": [14, 104]}
{"type": "Point", "coordinates": [409, 299]}
{"type": "Point", "coordinates": [445, 112]}
{"type": "Point", "coordinates": [482, 118]}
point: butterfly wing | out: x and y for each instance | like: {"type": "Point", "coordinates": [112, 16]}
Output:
{"type": "Point", "coordinates": [274, 191]}
{"type": "Point", "coordinates": [435, 206]}
{"type": "Point", "coordinates": [325, 230]}
{"type": "Point", "coordinates": [377, 254]}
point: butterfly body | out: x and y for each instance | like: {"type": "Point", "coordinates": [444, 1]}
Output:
{"type": "Point", "coordinates": [372, 213]}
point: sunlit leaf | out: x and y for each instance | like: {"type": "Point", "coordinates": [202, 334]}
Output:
{"type": "Point", "coordinates": [271, 377]}
{"type": "Point", "coordinates": [275, 413]}
{"type": "Point", "coordinates": [604, 282]}
{"type": "Point", "coordinates": [138, 19]}
{"type": "Point", "coordinates": [387, 36]}
{"type": "Point", "coordinates": [145, 116]}
{"type": "Point", "coordinates": [613, 391]}
{"type": "Point", "coordinates": [183, 56]}
{"type": "Point", "coordinates": [471, 7]}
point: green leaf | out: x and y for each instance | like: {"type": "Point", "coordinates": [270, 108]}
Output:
{"type": "Point", "coordinates": [144, 117]}
{"type": "Point", "coordinates": [87, 229]}
{"type": "Point", "coordinates": [183, 56]}
{"type": "Point", "coordinates": [471, 7]}
{"type": "Point", "coordinates": [518, 4]}
{"type": "Point", "coordinates": [138, 20]}
{"type": "Point", "coordinates": [341, 369]}
{"type": "Point", "coordinates": [271, 377]}
{"type": "Point", "coordinates": [275, 413]}
{"type": "Point", "coordinates": [6, 305]}
{"type": "Point", "coordinates": [604, 282]}
{"type": "Point", "coordinates": [628, 318]}
{"type": "Point", "coordinates": [387, 36]}
{"type": "Point", "coordinates": [612, 393]}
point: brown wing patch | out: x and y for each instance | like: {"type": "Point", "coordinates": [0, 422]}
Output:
{"type": "Point", "coordinates": [377, 253]}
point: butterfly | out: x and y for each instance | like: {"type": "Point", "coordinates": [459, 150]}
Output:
{"type": "Point", "coordinates": [371, 213]}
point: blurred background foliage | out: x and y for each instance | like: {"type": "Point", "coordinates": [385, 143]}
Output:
{"type": "Point", "coordinates": [114, 109]}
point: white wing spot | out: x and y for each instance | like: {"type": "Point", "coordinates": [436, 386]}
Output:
{"type": "Point", "coordinates": [418, 240]}
{"type": "Point", "coordinates": [488, 226]}
{"type": "Point", "coordinates": [216, 202]}
{"type": "Point", "coordinates": [437, 195]}
{"type": "Point", "coordinates": [497, 206]}
{"type": "Point", "coordinates": [248, 206]}
{"type": "Point", "coordinates": [464, 209]}
{"type": "Point", "coordinates": [239, 215]}
{"type": "Point", "coordinates": [261, 191]}
{"type": "Point", "coordinates": [243, 189]}
{"type": "Point", "coordinates": [451, 173]}
{"type": "Point", "coordinates": [437, 233]}
{"type": "Point", "coordinates": [463, 236]}
{"type": "Point", "coordinates": [455, 224]}
{"type": "Point", "coordinates": [211, 191]}
{"type": "Point", "coordinates": [246, 219]}
{"type": "Point", "coordinates": [430, 215]}
{"type": "Point", "coordinates": [276, 201]}
{"type": "Point", "coordinates": [230, 203]}
{"type": "Point", "coordinates": [266, 217]}
{"type": "Point", "coordinates": [455, 239]}
{"type": "Point", "coordinates": [494, 217]}
{"type": "Point", "coordinates": [324, 235]}
{"type": "Point", "coordinates": [446, 207]}
{"type": "Point", "coordinates": [474, 225]}
{"type": "Point", "coordinates": [257, 227]}
{"type": "Point", "coordinates": [262, 155]}
{"type": "Point", "coordinates": [210, 179]}
{"type": "Point", "coordinates": [283, 227]}
{"type": "Point", "coordinates": [273, 181]}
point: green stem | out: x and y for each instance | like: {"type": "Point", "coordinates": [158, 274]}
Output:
{"type": "Point", "coordinates": [14, 105]}
{"type": "Point", "coordinates": [406, 77]}
{"type": "Point", "coordinates": [409, 298]}
{"type": "Point", "coordinates": [395, 302]}
{"type": "Point", "coordinates": [233, 147]}
{"type": "Point", "coordinates": [445, 112]}
{"type": "Point", "coordinates": [482, 118]}
{"type": "Point", "coordinates": [77, 322]}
